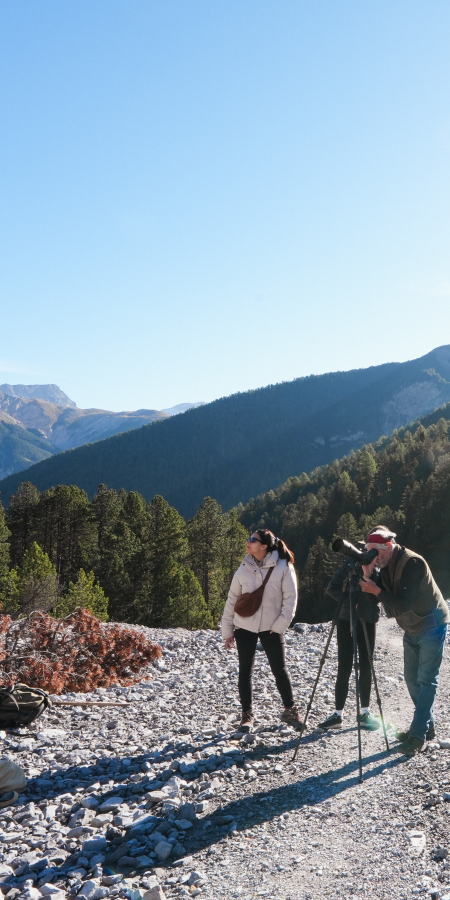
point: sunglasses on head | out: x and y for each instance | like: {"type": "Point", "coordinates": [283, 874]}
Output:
{"type": "Point", "coordinates": [253, 540]}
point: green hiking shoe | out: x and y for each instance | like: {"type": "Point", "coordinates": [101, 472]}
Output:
{"type": "Point", "coordinates": [368, 721]}
{"type": "Point", "coordinates": [333, 721]}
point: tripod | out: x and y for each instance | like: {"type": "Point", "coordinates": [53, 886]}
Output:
{"type": "Point", "coordinates": [353, 588]}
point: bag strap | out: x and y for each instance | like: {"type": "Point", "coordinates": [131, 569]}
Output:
{"type": "Point", "coordinates": [268, 576]}
{"type": "Point", "coordinates": [34, 690]}
{"type": "Point", "coordinates": [8, 692]}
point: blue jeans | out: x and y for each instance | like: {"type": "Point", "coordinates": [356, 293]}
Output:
{"type": "Point", "coordinates": [422, 659]}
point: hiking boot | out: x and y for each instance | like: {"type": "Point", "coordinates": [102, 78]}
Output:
{"type": "Point", "coordinates": [412, 746]}
{"type": "Point", "coordinates": [404, 735]}
{"type": "Point", "coordinates": [290, 716]}
{"type": "Point", "coordinates": [333, 721]}
{"type": "Point", "coordinates": [247, 722]}
{"type": "Point", "coordinates": [368, 721]}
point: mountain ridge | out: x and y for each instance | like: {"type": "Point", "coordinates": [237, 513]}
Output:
{"type": "Point", "coordinates": [20, 447]}
{"type": "Point", "coordinates": [61, 425]}
{"type": "Point", "coordinates": [49, 392]}
{"type": "Point", "coordinates": [240, 446]}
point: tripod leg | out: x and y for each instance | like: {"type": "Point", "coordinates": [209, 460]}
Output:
{"type": "Point", "coordinates": [374, 677]}
{"type": "Point", "coordinates": [321, 665]}
{"type": "Point", "coordinates": [353, 626]}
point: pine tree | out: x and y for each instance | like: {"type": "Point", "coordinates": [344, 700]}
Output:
{"type": "Point", "coordinates": [117, 549]}
{"type": "Point", "coordinates": [106, 508]}
{"type": "Point", "coordinates": [234, 547]}
{"type": "Point", "coordinates": [21, 520]}
{"type": "Point", "coordinates": [65, 530]}
{"type": "Point", "coordinates": [315, 605]}
{"type": "Point", "coordinates": [207, 532]}
{"type": "Point", "coordinates": [187, 607]}
{"type": "Point", "coordinates": [5, 580]}
{"type": "Point", "coordinates": [165, 549]}
{"type": "Point", "coordinates": [83, 593]}
{"type": "Point", "coordinates": [382, 516]}
{"type": "Point", "coordinates": [4, 545]}
{"type": "Point", "coordinates": [33, 585]}
{"type": "Point", "coordinates": [135, 513]}
{"type": "Point", "coordinates": [347, 528]}
{"type": "Point", "coordinates": [367, 470]}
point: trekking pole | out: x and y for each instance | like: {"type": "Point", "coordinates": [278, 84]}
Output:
{"type": "Point", "coordinates": [88, 703]}
{"type": "Point", "coordinates": [374, 677]}
{"type": "Point", "coordinates": [353, 625]}
{"type": "Point", "coordinates": [321, 665]}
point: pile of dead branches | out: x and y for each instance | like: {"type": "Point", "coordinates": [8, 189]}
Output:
{"type": "Point", "coordinates": [77, 653]}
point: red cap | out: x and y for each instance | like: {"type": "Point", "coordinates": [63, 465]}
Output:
{"type": "Point", "coordinates": [377, 538]}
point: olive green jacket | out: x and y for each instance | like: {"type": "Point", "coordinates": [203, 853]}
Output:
{"type": "Point", "coordinates": [410, 593]}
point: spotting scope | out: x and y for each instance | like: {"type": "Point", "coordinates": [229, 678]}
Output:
{"type": "Point", "coordinates": [364, 557]}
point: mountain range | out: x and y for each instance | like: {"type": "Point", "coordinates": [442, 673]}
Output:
{"type": "Point", "coordinates": [39, 420]}
{"type": "Point", "coordinates": [243, 445]}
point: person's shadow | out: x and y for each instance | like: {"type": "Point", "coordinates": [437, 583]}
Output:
{"type": "Point", "coordinates": [255, 808]}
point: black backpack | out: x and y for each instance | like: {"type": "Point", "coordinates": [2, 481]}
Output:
{"type": "Point", "coordinates": [20, 705]}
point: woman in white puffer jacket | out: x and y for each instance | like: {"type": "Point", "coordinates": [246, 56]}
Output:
{"type": "Point", "coordinates": [268, 624]}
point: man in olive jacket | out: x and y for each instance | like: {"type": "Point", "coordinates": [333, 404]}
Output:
{"type": "Point", "coordinates": [408, 591]}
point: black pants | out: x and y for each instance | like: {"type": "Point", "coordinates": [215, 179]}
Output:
{"type": "Point", "coordinates": [345, 661]}
{"type": "Point", "coordinates": [273, 645]}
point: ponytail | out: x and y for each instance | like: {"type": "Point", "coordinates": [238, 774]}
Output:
{"type": "Point", "coordinates": [269, 540]}
{"type": "Point", "coordinates": [283, 551]}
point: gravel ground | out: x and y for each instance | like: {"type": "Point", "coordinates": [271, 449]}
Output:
{"type": "Point", "coordinates": [164, 799]}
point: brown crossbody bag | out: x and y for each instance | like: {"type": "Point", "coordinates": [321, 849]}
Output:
{"type": "Point", "coordinates": [249, 603]}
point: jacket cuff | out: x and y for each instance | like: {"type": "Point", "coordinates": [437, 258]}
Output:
{"type": "Point", "coordinates": [227, 632]}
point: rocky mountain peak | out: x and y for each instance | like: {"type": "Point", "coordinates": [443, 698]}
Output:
{"type": "Point", "coordinates": [49, 392]}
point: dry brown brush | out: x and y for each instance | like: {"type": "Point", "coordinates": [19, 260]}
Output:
{"type": "Point", "coordinates": [77, 653]}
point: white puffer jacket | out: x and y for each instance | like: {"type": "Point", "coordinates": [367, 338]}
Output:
{"type": "Point", "coordinates": [279, 598]}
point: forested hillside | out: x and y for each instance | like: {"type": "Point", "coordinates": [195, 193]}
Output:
{"type": "Point", "coordinates": [20, 448]}
{"type": "Point", "coordinates": [43, 421]}
{"type": "Point", "coordinates": [65, 426]}
{"type": "Point", "coordinates": [239, 446]}
{"type": "Point", "coordinates": [116, 555]}
{"type": "Point", "coordinates": [402, 482]}
{"type": "Point", "coordinates": [156, 569]}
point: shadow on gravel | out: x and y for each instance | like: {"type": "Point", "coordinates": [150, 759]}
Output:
{"type": "Point", "coordinates": [58, 779]}
{"type": "Point", "coordinates": [264, 806]}
{"type": "Point", "coordinates": [240, 814]}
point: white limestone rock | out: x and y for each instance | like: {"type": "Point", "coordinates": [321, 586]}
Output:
{"type": "Point", "coordinates": [155, 893]}
{"type": "Point", "coordinates": [163, 850]}
{"type": "Point", "coordinates": [49, 890]}
{"type": "Point", "coordinates": [88, 889]}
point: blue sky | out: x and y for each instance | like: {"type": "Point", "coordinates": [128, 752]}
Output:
{"type": "Point", "coordinates": [205, 197]}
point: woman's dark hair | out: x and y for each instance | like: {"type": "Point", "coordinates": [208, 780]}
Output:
{"type": "Point", "coordinates": [269, 540]}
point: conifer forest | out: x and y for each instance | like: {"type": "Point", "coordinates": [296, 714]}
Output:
{"type": "Point", "coordinates": [140, 562]}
